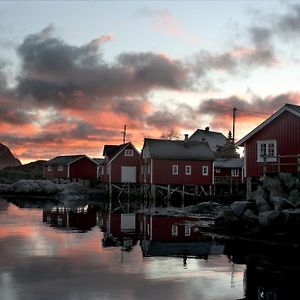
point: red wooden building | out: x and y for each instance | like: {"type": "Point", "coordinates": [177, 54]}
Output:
{"type": "Point", "coordinates": [181, 162]}
{"type": "Point", "coordinates": [273, 140]}
{"type": "Point", "coordinates": [72, 167]}
{"type": "Point", "coordinates": [228, 170]}
{"type": "Point", "coordinates": [121, 163]}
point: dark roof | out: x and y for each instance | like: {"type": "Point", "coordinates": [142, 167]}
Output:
{"type": "Point", "coordinates": [64, 160]}
{"type": "Point", "coordinates": [181, 150]}
{"type": "Point", "coordinates": [214, 139]}
{"type": "Point", "coordinates": [292, 108]}
{"type": "Point", "coordinates": [229, 163]}
{"type": "Point", "coordinates": [111, 150]}
{"type": "Point", "coordinates": [98, 161]}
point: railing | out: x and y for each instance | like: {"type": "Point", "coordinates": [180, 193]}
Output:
{"type": "Point", "coordinates": [282, 163]}
{"type": "Point", "coordinates": [226, 179]}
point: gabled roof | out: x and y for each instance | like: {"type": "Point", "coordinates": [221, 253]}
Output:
{"type": "Point", "coordinates": [66, 159]}
{"type": "Point", "coordinates": [113, 151]}
{"type": "Point", "coordinates": [214, 139]}
{"type": "Point", "coordinates": [179, 150]}
{"type": "Point", "coordinates": [98, 161]}
{"type": "Point", "coordinates": [294, 109]}
{"type": "Point", "coordinates": [229, 163]}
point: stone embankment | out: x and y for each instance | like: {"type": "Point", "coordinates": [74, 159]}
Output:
{"type": "Point", "coordinates": [273, 208]}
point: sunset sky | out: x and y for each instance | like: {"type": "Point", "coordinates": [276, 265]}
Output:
{"type": "Point", "coordinates": [73, 73]}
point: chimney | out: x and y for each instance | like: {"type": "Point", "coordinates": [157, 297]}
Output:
{"type": "Point", "coordinates": [207, 128]}
{"type": "Point", "coordinates": [186, 137]}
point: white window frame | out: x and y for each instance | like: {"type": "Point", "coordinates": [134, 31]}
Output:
{"type": "Point", "coordinates": [218, 170]}
{"type": "Point", "coordinates": [235, 172]}
{"type": "Point", "coordinates": [174, 169]}
{"type": "Point", "coordinates": [270, 157]}
{"type": "Point", "coordinates": [128, 152]}
{"type": "Point", "coordinates": [174, 230]}
{"type": "Point", "coordinates": [205, 170]}
{"type": "Point", "coordinates": [187, 230]}
{"type": "Point", "coordinates": [188, 170]}
{"type": "Point", "coordinates": [60, 168]}
{"type": "Point", "coordinates": [49, 168]}
{"type": "Point", "coordinates": [149, 169]}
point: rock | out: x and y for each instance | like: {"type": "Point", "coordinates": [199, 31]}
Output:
{"type": "Point", "coordinates": [268, 218]}
{"type": "Point", "coordinates": [291, 218]}
{"type": "Point", "coordinates": [287, 180]}
{"type": "Point", "coordinates": [250, 217]}
{"type": "Point", "coordinates": [294, 198]}
{"type": "Point", "coordinates": [273, 186]}
{"type": "Point", "coordinates": [261, 204]}
{"type": "Point", "coordinates": [281, 203]}
{"type": "Point", "coordinates": [226, 217]}
{"type": "Point", "coordinates": [239, 207]}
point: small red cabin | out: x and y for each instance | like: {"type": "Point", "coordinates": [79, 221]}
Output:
{"type": "Point", "coordinates": [273, 145]}
{"type": "Point", "coordinates": [72, 167]}
{"type": "Point", "coordinates": [121, 163]}
{"type": "Point", "coordinates": [176, 162]}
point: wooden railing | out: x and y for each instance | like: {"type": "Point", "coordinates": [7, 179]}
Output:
{"type": "Point", "coordinates": [226, 179]}
{"type": "Point", "coordinates": [282, 163]}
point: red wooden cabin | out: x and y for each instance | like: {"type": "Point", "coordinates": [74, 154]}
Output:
{"type": "Point", "coordinates": [227, 170]}
{"type": "Point", "coordinates": [176, 162]}
{"type": "Point", "coordinates": [71, 167]}
{"type": "Point", "coordinates": [121, 163]}
{"type": "Point", "coordinates": [273, 140]}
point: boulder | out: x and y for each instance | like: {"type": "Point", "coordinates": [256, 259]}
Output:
{"type": "Point", "coordinates": [294, 198]}
{"type": "Point", "coordinates": [239, 207]}
{"type": "Point", "coordinates": [281, 203]}
{"type": "Point", "coordinates": [226, 218]}
{"type": "Point", "coordinates": [261, 204]}
{"type": "Point", "coordinates": [291, 218]}
{"type": "Point", "coordinates": [250, 217]}
{"type": "Point", "coordinates": [287, 180]}
{"type": "Point", "coordinates": [272, 184]}
{"type": "Point", "coordinates": [268, 218]}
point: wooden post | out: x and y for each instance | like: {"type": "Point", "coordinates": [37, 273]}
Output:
{"type": "Point", "coordinates": [298, 167]}
{"type": "Point", "coordinates": [182, 196]}
{"type": "Point", "coordinates": [110, 191]}
{"type": "Point", "coordinates": [264, 166]}
{"type": "Point", "coordinates": [248, 188]}
{"type": "Point", "coordinates": [230, 189]}
{"type": "Point", "coordinates": [128, 197]}
{"type": "Point", "coordinates": [168, 195]}
{"type": "Point", "coordinates": [278, 166]}
{"type": "Point", "coordinates": [153, 195]}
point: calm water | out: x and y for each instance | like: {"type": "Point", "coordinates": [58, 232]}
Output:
{"type": "Point", "coordinates": [40, 261]}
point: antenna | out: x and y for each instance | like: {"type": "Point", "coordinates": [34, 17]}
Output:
{"type": "Point", "coordinates": [233, 123]}
{"type": "Point", "coordinates": [124, 134]}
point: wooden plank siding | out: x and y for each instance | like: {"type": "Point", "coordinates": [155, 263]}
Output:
{"type": "Point", "coordinates": [285, 129]}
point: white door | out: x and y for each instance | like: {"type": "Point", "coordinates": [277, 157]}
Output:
{"type": "Point", "coordinates": [127, 222]}
{"type": "Point", "coordinates": [128, 174]}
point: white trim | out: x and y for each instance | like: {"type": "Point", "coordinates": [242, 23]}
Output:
{"type": "Point", "coordinates": [269, 158]}
{"type": "Point", "coordinates": [205, 168]}
{"type": "Point", "coordinates": [266, 122]}
{"type": "Point", "coordinates": [68, 171]}
{"type": "Point", "coordinates": [128, 152]}
{"type": "Point", "coordinates": [174, 230]}
{"type": "Point", "coordinates": [121, 150]}
{"type": "Point", "coordinates": [213, 173]}
{"type": "Point", "coordinates": [235, 172]}
{"type": "Point", "coordinates": [174, 169]}
{"type": "Point", "coordinates": [188, 170]}
{"type": "Point", "coordinates": [187, 230]}
{"type": "Point", "coordinates": [83, 156]}
{"type": "Point", "coordinates": [49, 169]}
{"type": "Point", "coordinates": [245, 159]}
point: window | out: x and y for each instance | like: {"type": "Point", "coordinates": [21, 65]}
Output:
{"type": "Point", "coordinates": [218, 170]}
{"type": "Point", "coordinates": [60, 168]}
{"type": "Point", "coordinates": [205, 170]}
{"type": "Point", "coordinates": [187, 230]}
{"type": "Point", "coordinates": [266, 149]}
{"type": "Point", "coordinates": [174, 169]}
{"type": "Point", "coordinates": [235, 172]}
{"type": "Point", "coordinates": [174, 230]}
{"type": "Point", "coordinates": [49, 168]}
{"type": "Point", "coordinates": [129, 152]}
{"type": "Point", "coordinates": [188, 170]}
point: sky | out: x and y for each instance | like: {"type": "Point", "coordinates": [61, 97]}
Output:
{"type": "Point", "coordinates": [73, 73]}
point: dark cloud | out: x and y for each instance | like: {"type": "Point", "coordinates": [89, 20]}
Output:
{"type": "Point", "coordinates": [289, 24]}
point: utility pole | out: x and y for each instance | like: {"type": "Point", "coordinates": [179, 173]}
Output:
{"type": "Point", "coordinates": [233, 123]}
{"type": "Point", "coordinates": [124, 134]}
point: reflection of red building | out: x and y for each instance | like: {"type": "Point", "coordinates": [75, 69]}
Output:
{"type": "Point", "coordinates": [80, 218]}
{"type": "Point", "coordinates": [168, 228]}
{"type": "Point", "coordinates": [164, 235]}
{"type": "Point", "coordinates": [118, 228]}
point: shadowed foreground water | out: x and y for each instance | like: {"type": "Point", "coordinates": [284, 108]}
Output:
{"type": "Point", "coordinates": [39, 262]}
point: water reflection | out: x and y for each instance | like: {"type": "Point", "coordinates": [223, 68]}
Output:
{"type": "Point", "coordinates": [76, 252]}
